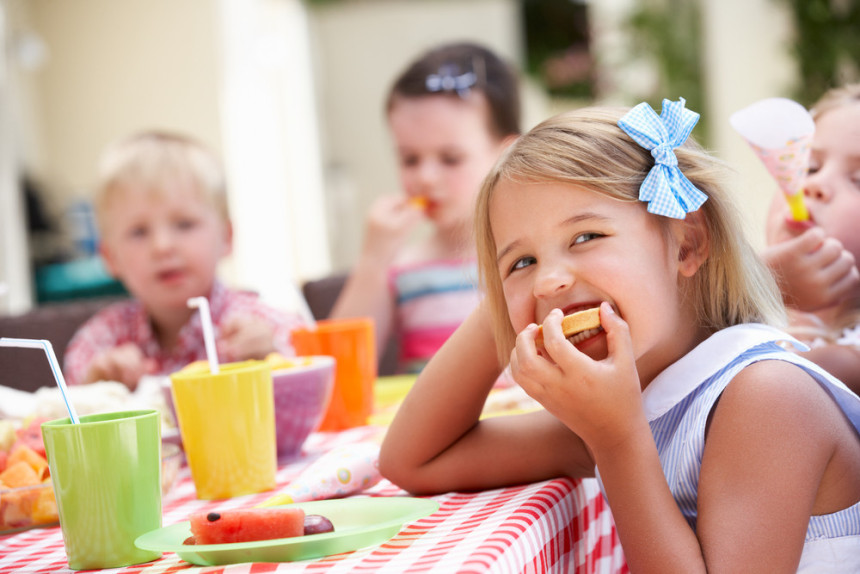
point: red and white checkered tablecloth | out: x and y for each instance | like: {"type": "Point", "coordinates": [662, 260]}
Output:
{"type": "Point", "coordinates": [557, 525]}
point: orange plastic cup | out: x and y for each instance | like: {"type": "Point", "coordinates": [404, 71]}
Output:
{"type": "Point", "coordinates": [352, 344]}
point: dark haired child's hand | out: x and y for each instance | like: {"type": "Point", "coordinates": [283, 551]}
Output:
{"type": "Point", "coordinates": [813, 271]}
{"type": "Point", "coordinates": [125, 364]}
{"type": "Point", "coordinates": [600, 401]}
{"type": "Point", "coordinates": [245, 337]}
{"type": "Point", "coordinates": [389, 222]}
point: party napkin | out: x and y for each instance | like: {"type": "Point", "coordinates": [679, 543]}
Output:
{"type": "Point", "coordinates": [780, 132]}
{"type": "Point", "coordinates": [340, 472]}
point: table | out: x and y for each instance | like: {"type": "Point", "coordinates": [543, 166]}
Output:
{"type": "Point", "coordinates": [558, 525]}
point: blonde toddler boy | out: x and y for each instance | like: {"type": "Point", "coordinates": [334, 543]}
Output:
{"type": "Point", "coordinates": [162, 212]}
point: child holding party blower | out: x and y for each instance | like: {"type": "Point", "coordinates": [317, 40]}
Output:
{"type": "Point", "coordinates": [815, 261]}
{"type": "Point", "coordinates": [161, 206]}
{"type": "Point", "coordinates": [717, 449]}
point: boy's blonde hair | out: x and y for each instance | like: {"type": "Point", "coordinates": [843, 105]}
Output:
{"type": "Point", "coordinates": [586, 148]}
{"type": "Point", "coordinates": [159, 162]}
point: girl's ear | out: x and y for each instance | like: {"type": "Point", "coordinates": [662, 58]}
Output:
{"type": "Point", "coordinates": [693, 243]}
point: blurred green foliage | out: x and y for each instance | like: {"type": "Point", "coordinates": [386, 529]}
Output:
{"type": "Point", "coordinates": [557, 46]}
{"type": "Point", "coordinates": [669, 33]}
{"type": "Point", "coordinates": [827, 45]}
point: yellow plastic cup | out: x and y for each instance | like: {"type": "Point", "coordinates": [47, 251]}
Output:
{"type": "Point", "coordinates": [227, 423]}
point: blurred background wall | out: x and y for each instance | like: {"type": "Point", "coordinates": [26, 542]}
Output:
{"type": "Point", "coordinates": [290, 94]}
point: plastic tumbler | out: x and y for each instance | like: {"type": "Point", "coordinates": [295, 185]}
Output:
{"type": "Point", "coordinates": [227, 423]}
{"type": "Point", "coordinates": [352, 344]}
{"type": "Point", "coordinates": [106, 473]}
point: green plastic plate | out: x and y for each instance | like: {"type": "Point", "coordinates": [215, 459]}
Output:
{"type": "Point", "coordinates": [358, 523]}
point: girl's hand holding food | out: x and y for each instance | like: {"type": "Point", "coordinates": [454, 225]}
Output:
{"type": "Point", "coordinates": [389, 222]}
{"type": "Point", "coordinates": [599, 400]}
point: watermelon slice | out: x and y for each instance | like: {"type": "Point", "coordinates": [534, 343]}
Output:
{"type": "Point", "coordinates": [247, 524]}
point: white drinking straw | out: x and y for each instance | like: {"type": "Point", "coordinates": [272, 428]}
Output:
{"type": "Point", "coordinates": [52, 360]}
{"type": "Point", "coordinates": [202, 304]}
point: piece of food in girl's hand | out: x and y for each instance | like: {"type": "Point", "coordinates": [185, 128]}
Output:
{"type": "Point", "coordinates": [250, 524]}
{"type": "Point", "coordinates": [576, 324]}
{"type": "Point", "coordinates": [418, 202]}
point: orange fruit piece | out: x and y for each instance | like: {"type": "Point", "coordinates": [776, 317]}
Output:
{"type": "Point", "coordinates": [19, 474]}
{"type": "Point", "coordinates": [45, 507]}
{"type": "Point", "coordinates": [16, 507]}
{"type": "Point", "coordinates": [418, 202]}
{"type": "Point", "coordinates": [22, 452]}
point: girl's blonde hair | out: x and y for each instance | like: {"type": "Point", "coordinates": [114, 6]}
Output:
{"type": "Point", "coordinates": [836, 98]}
{"type": "Point", "coordinates": [586, 148]}
{"type": "Point", "coordinates": [159, 162]}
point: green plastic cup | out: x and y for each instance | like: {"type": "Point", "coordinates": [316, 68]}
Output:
{"type": "Point", "coordinates": [106, 473]}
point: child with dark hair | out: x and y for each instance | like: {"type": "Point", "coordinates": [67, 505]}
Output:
{"type": "Point", "coordinates": [451, 113]}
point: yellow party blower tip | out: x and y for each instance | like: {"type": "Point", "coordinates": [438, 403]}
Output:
{"type": "Point", "coordinates": [797, 207]}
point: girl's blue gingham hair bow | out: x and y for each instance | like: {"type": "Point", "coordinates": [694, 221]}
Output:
{"type": "Point", "coordinates": [667, 190]}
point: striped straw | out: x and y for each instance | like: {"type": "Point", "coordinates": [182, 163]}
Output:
{"type": "Point", "coordinates": [52, 360]}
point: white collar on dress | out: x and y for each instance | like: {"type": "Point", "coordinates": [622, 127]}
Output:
{"type": "Point", "coordinates": [686, 374]}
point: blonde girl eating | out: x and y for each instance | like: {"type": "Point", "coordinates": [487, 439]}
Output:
{"type": "Point", "coordinates": [717, 449]}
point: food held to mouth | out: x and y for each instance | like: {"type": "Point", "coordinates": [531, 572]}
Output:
{"type": "Point", "coordinates": [419, 202]}
{"type": "Point", "coordinates": [577, 326]}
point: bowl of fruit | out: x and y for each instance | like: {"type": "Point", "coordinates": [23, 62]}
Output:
{"type": "Point", "coordinates": [302, 388]}
{"type": "Point", "coordinates": [26, 493]}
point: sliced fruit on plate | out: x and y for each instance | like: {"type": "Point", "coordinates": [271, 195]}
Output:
{"type": "Point", "coordinates": [247, 524]}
